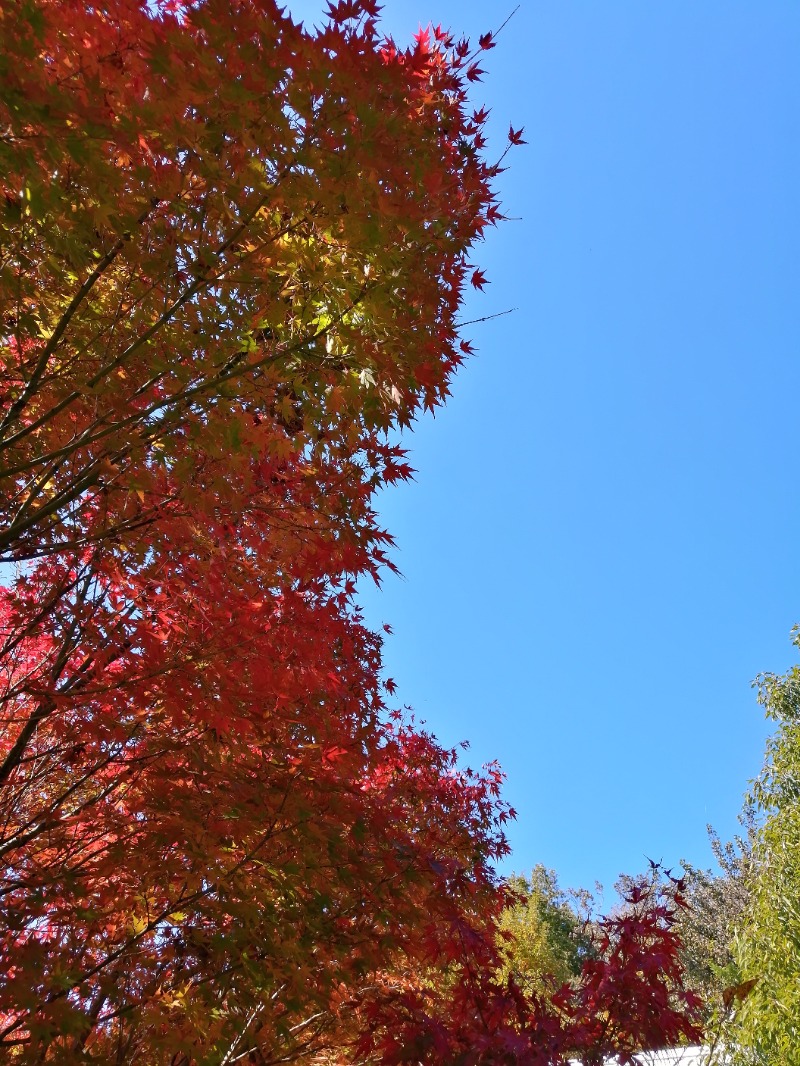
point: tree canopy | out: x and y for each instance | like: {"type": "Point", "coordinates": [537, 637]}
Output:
{"type": "Point", "coordinates": [717, 902]}
{"type": "Point", "coordinates": [233, 254]}
{"type": "Point", "coordinates": [547, 942]}
{"type": "Point", "coordinates": [767, 944]}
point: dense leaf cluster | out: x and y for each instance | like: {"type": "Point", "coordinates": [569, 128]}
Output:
{"type": "Point", "coordinates": [765, 1027]}
{"type": "Point", "coordinates": [232, 255]}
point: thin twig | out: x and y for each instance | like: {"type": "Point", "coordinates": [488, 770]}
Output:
{"type": "Point", "coordinates": [486, 318]}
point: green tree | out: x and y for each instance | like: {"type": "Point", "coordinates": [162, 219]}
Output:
{"type": "Point", "coordinates": [766, 1030]}
{"type": "Point", "coordinates": [545, 939]}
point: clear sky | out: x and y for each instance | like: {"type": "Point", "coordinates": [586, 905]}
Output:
{"type": "Point", "coordinates": [600, 550]}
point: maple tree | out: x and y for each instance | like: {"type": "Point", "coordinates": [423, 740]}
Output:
{"type": "Point", "coordinates": [232, 257]}
{"type": "Point", "coordinates": [628, 997]}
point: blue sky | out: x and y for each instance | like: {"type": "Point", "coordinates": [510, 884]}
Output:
{"type": "Point", "coordinates": [600, 548]}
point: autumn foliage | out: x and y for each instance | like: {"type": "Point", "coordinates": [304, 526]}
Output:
{"type": "Point", "coordinates": [233, 254]}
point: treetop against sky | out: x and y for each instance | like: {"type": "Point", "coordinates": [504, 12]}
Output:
{"type": "Point", "coordinates": [598, 548]}
{"type": "Point", "coordinates": [235, 256]}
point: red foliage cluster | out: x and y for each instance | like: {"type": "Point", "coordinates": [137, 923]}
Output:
{"type": "Point", "coordinates": [233, 256]}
